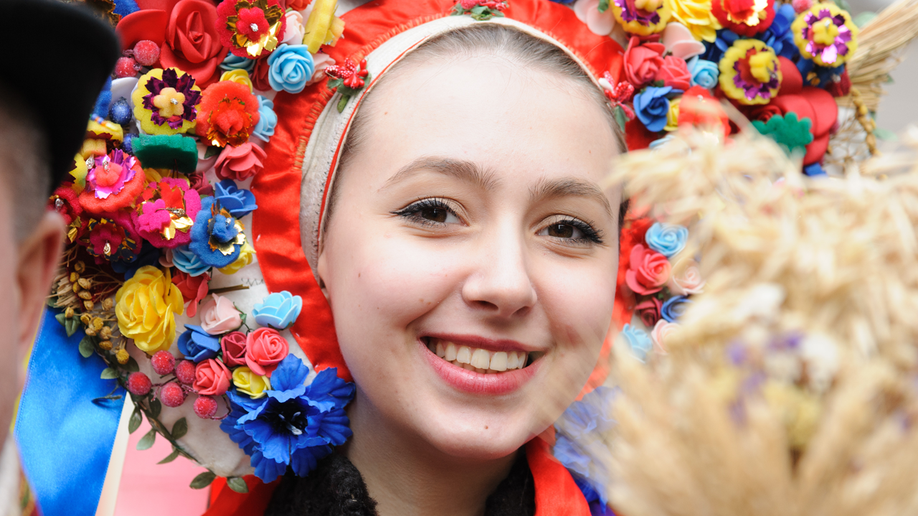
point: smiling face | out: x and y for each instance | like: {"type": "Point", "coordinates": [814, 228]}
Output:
{"type": "Point", "coordinates": [469, 232]}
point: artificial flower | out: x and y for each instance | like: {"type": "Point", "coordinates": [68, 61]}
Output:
{"type": "Point", "coordinates": [674, 307]}
{"type": "Point", "coordinates": [666, 239]}
{"type": "Point", "coordinates": [227, 114]}
{"type": "Point", "coordinates": [347, 79]}
{"type": "Point", "coordinates": [294, 32]}
{"type": "Point", "coordinates": [145, 307]}
{"type": "Point", "coordinates": [64, 201]}
{"type": "Point", "coordinates": [648, 271]}
{"type": "Point", "coordinates": [598, 22]}
{"type": "Point", "coordinates": [233, 346]}
{"type": "Point", "coordinates": [686, 278]}
{"type": "Point", "coordinates": [704, 73]}
{"type": "Point", "coordinates": [251, 28]}
{"type": "Point", "coordinates": [641, 17]}
{"type": "Point", "coordinates": [165, 211]}
{"type": "Point", "coordinates": [191, 42]}
{"type": "Point", "coordinates": [211, 378]}
{"type": "Point", "coordinates": [216, 237]}
{"type": "Point", "coordinates": [651, 107]}
{"type": "Point", "coordinates": [744, 17]}
{"type": "Point", "coordinates": [295, 425]}
{"type": "Point", "coordinates": [696, 16]}
{"type": "Point", "coordinates": [660, 332]}
{"type": "Point", "coordinates": [240, 163]}
{"type": "Point", "coordinates": [112, 183]}
{"type": "Point", "coordinates": [187, 261]}
{"type": "Point", "coordinates": [322, 27]}
{"type": "Point", "coordinates": [278, 310]}
{"type": "Point", "coordinates": [193, 288]}
{"type": "Point", "coordinates": [291, 67]}
{"type": "Point", "coordinates": [197, 345]}
{"type": "Point", "coordinates": [649, 311]}
{"type": "Point", "coordinates": [787, 131]}
{"type": "Point", "coordinates": [779, 35]}
{"type": "Point", "coordinates": [674, 73]}
{"type": "Point", "coordinates": [165, 101]}
{"type": "Point", "coordinates": [78, 172]}
{"type": "Point", "coordinates": [267, 118]}
{"type": "Point", "coordinates": [246, 257]}
{"type": "Point", "coordinates": [816, 104]}
{"type": "Point", "coordinates": [234, 62]}
{"type": "Point", "coordinates": [264, 349]}
{"type": "Point", "coordinates": [679, 41]}
{"type": "Point", "coordinates": [642, 62]}
{"type": "Point", "coordinates": [672, 116]}
{"type": "Point", "coordinates": [826, 34]}
{"type": "Point", "coordinates": [575, 448]}
{"type": "Point", "coordinates": [240, 76]}
{"type": "Point", "coordinates": [750, 72]}
{"type": "Point", "coordinates": [639, 343]}
{"type": "Point", "coordinates": [111, 239]}
{"type": "Point", "coordinates": [219, 315]}
{"type": "Point", "coordinates": [698, 108]}
{"type": "Point", "coordinates": [247, 382]}
{"type": "Point", "coordinates": [259, 75]}
{"type": "Point", "coordinates": [237, 201]}
{"type": "Point", "coordinates": [321, 61]}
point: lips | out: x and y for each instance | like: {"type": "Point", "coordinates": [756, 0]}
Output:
{"type": "Point", "coordinates": [481, 366]}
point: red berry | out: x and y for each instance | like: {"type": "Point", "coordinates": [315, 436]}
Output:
{"type": "Point", "coordinates": [138, 384]}
{"type": "Point", "coordinates": [163, 362]}
{"type": "Point", "coordinates": [125, 67]}
{"type": "Point", "coordinates": [184, 371]}
{"type": "Point", "coordinates": [172, 395]}
{"type": "Point", "coordinates": [146, 52]}
{"type": "Point", "coordinates": [205, 407]}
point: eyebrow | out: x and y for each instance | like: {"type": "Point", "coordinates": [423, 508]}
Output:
{"type": "Point", "coordinates": [570, 187]}
{"type": "Point", "coordinates": [467, 171]}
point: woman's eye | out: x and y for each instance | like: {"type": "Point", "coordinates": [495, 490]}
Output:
{"type": "Point", "coordinates": [429, 211]}
{"type": "Point", "coordinates": [573, 231]}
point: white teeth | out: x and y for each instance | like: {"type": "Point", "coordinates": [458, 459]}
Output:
{"type": "Point", "coordinates": [481, 359]}
{"type": "Point", "coordinates": [451, 352]}
{"type": "Point", "coordinates": [477, 359]}
{"type": "Point", "coordinates": [513, 362]}
{"type": "Point", "coordinates": [440, 351]}
{"type": "Point", "coordinates": [499, 361]}
{"type": "Point", "coordinates": [464, 355]}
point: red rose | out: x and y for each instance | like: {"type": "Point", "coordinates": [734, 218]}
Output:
{"type": "Point", "coordinates": [240, 163]}
{"type": "Point", "coordinates": [211, 378]}
{"type": "Point", "coordinates": [674, 72]}
{"type": "Point", "coordinates": [698, 108]}
{"type": "Point", "coordinates": [192, 43]}
{"type": "Point", "coordinates": [649, 271]}
{"type": "Point", "coordinates": [642, 62]}
{"type": "Point", "coordinates": [193, 288]}
{"type": "Point", "coordinates": [649, 310]}
{"type": "Point", "coordinates": [264, 349]}
{"type": "Point", "coordinates": [233, 345]}
{"type": "Point", "coordinates": [259, 75]}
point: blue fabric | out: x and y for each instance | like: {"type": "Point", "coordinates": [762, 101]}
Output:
{"type": "Point", "coordinates": [65, 439]}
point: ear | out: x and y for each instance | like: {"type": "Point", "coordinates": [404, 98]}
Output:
{"type": "Point", "coordinates": [321, 270]}
{"type": "Point", "coordinates": [38, 261]}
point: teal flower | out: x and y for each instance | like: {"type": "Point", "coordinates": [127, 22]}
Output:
{"type": "Point", "coordinates": [789, 132]}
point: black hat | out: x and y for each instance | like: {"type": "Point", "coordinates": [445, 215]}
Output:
{"type": "Point", "coordinates": [56, 61]}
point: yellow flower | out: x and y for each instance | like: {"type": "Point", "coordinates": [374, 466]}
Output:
{"type": "Point", "coordinates": [240, 76]}
{"type": "Point", "coordinates": [643, 27]}
{"type": "Point", "coordinates": [250, 383]}
{"type": "Point", "coordinates": [169, 103]}
{"type": "Point", "coordinates": [672, 117]}
{"type": "Point", "coordinates": [323, 27]}
{"type": "Point", "coordinates": [146, 306]}
{"type": "Point", "coordinates": [246, 256]}
{"type": "Point", "coordinates": [697, 16]}
{"type": "Point", "coordinates": [78, 172]}
{"type": "Point", "coordinates": [765, 70]}
{"type": "Point", "coordinates": [825, 34]}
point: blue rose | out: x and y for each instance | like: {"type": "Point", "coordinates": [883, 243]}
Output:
{"type": "Point", "coordinates": [234, 62]}
{"type": "Point", "coordinates": [186, 261]}
{"type": "Point", "coordinates": [674, 307]}
{"type": "Point", "coordinates": [778, 36]}
{"type": "Point", "coordinates": [239, 202]}
{"type": "Point", "coordinates": [197, 345]}
{"type": "Point", "coordinates": [267, 119]}
{"type": "Point", "coordinates": [215, 238]}
{"type": "Point", "coordinates": [278, 310]}
{"type": "Point", "coordinates": [704, 73]}
{"type": "Point", "coordinates": [714, 51]}
{"type": "Point", "coordinates": [291, 66]}
{"type": "Point", "coordinates": [638, 340]}
{"type": "Point", "coordinates": [666, 239]}
{"type": "Point", "coordinates": [652, 106]}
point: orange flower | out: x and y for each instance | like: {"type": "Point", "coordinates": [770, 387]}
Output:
{"type": "Point", "coordinates": [227, 114]}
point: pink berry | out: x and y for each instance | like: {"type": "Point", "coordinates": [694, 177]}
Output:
{"type": "Point", "coordinates": [205, 407]}
{"type": "Point", "coordinates": [172, 395]}
{"type": "Point", "coordinates": [163, 362]}
{"type": "Point", "coordinates": [146, 52]}
{"type": "Point", "coordinates": [138, 384]}
{"type": "Point", "coordinates": [801, 5]}
{"type": "Point", "coordinates": [125, 67]}
{"type": "Point", "coordinates": [184, 371]}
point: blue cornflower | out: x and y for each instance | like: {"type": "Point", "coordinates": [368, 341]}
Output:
{"type": "Point", "coordinates": [295, 425]}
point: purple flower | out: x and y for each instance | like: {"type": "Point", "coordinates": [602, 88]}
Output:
{"type": "Point", "coordinates": [181, 85]}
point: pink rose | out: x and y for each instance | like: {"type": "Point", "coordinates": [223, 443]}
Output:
{"type": "Point", "coordinates": [686, 278]}
{"type": "Point", "coordinates": [293, 34]}
{"type": "Point", "coordinates": [674, 72]}
{"type": "Point", "coordinates": [264, 349]}
{"type": "Point", "coordinates": [642, 62]}
{"type": "Point", "coordinates": [599, 23]}
{"type": "Point", "coordinates": [660, 332]}
{"type": "Point", "coordinates": [211, 378]}
{"type": "Point", "coordinates": [240, 163]}
{"type": "Point", "coordinates": [193, 288]}
{"type": "Point", "coordinates": [233, 345]}
{"type": "Point", "coordinates": [322, 61]}
{"type": "Point", "coordinates": [648, 272]}
{"type": "Point", "coordinates": [649, 310]}
{"type": "Point", "coordinates": [218, 315]}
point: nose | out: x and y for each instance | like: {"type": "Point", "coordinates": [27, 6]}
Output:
{"type": "Point", "coordinates": [499, 279]}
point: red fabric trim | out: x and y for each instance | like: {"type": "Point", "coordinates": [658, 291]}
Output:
{"type": "Point", "coordinates": [226, 502]}
{"type": "Point", "coordinates": [555, 491]}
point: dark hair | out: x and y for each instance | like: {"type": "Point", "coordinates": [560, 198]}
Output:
{"type": "Point", "coordinates": [473, 40]}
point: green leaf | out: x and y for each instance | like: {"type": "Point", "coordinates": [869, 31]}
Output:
{"type": "Point", "coordinates": [237, 484]}
{"type": "Point", "coordinates": [171, 457]}
{"type": "Point", "coordinates": [885, 134]}
{"type": "Point", "coordinates": [212, 152]}
{"type": "Point", "coordinates": [179, 429]}
{"type": "Point", "coordinates": [86, 347]}
{"type": "Point", "coordinates": [155, 408]}
{"type": "Point", "coordinates": [61, 319]}
{"type": "Point", "coordinates": [864, 18]}
{"type": "Point", "coordinates": [620, 118]}
{"type": "Point", "coordinates": [132, 365]}
{"type": "Point", "coordinates": [478, 9]}
{"type": "Point", "coordinates": [146, 442]}
{"type": "Point", "coordinates": [109, 374]}
{"type": "Point", "coordinates": [71, 325]}
{"type": "Point", "coordinates": [342, 102]}
{"type": "Point", "coordinates": [603, 5]}
{"type": "Point", "coordinates": [134, 422]}
{"type": "Point", "coordinates": [203, 480]}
